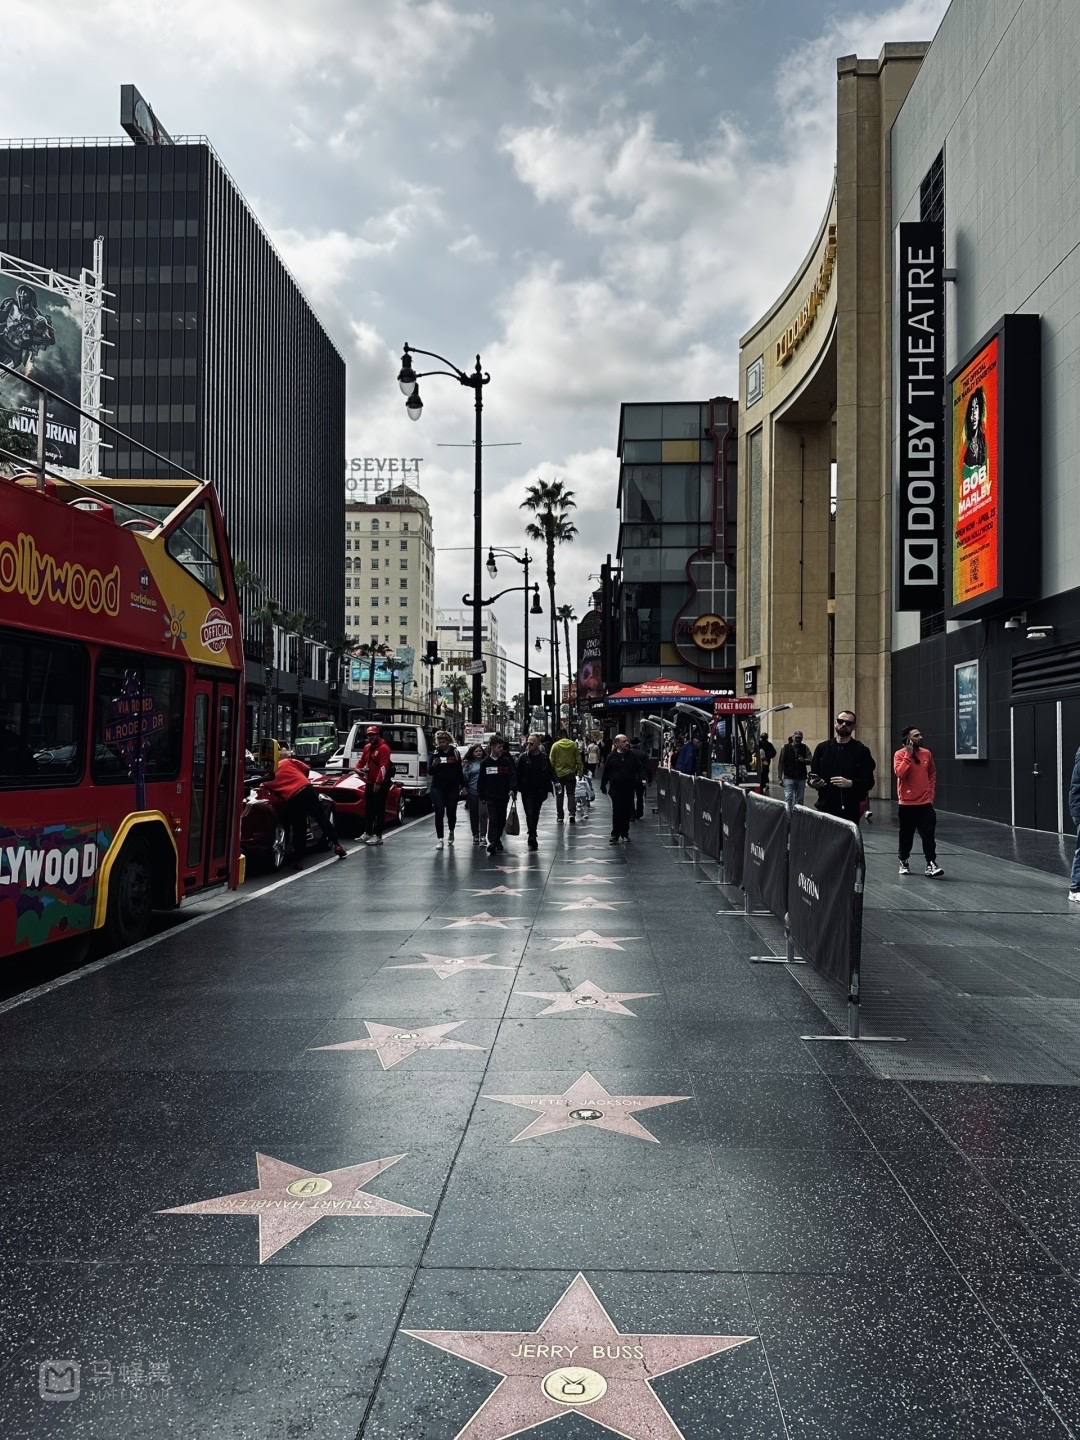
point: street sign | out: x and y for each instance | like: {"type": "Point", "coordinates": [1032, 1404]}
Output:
{"type": "Point", "coordinates": [474, 734]}
{"type": "Point", "coordinates": [476, 667]}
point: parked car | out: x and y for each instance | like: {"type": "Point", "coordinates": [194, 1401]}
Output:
{"type": "Point", "coordinates": [347, 795]}
{"type": "Point", "coordinates": [265, 839]}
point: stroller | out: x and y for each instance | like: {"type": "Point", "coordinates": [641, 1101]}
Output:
{"type": "Point", "coordinates": [584, 795]}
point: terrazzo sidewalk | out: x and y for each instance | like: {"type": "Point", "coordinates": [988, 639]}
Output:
{"type": "Point", "coordinates": [431, 1145]}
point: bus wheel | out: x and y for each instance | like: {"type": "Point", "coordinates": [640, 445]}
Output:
{"type": "Point", "coordinates": [275, 856]}
{"type": "Point", "coordinates": [131, 896]}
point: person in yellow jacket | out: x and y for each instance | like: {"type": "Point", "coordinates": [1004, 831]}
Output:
{"type": "Point", "coordinates": [567, 763]}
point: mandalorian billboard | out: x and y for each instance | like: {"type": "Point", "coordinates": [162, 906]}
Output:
{"type": "Point", "coordinates": [41, 338]}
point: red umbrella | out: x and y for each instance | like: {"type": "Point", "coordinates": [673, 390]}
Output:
{"type": "Point", "coordinates": [660, 691]}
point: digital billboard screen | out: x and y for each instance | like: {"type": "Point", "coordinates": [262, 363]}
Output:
{"type": "Point", "coordinates": [41, 339]}
{"type": "Point", "coordinates": [976, 513]}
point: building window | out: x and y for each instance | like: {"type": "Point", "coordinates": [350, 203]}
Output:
{"type": "Point", "coordinates": [348, 583]}
{"type": "Point", "coordinates": [403, 640]}
{"type": "Point", "coordinates": [403, 600]}
{"type": "Point", "coordinates": [348, 544]}
{"type": "Point", "coordinates": [403, 544]}
{"type": "Point", "coordinates": [932, 191]}
{"type": "Point", "coordinates": [374, 526]}
{"type": "Point", "coordinates": [374, 602]}
{"type": "Point", "coordinates": [374, 564]}
{"type": "Point", "coordinates": [404, 525]}
{"type": "Point", "coordinates": [403, 584]}
{"type": "Point", "coordinates": [374, 544]}
{"type": "Point", "coordinates": [403, 564]}
{"type": "Point", "coordinates": [374, 582]}
{"type": "Point", "coordinates": [348, 525]}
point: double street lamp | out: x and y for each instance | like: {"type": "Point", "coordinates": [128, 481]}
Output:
{"type": "Point", "coordinates": [536, 609]}
{"type": "Point", "coordinates": [493, 571]}
{"type": "Point", "coordinates": [409, 379]}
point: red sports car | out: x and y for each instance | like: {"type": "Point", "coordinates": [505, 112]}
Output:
{"type": "Point", "coordinates": [264, 837]}
{"type": "Point", "coordinates": [347, 795]}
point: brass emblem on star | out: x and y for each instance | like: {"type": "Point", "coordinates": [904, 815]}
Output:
{"type": "Point", "coordinates": [574, 1386]}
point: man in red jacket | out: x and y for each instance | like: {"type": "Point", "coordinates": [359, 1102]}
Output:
{"type": "Point", "coordinates": [916, 784]}
{"type": "Point", "coordinates": [293, 794]}
{"type": "Point", "coordinates": [374, 768]}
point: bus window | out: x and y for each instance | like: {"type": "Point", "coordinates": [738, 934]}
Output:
{"type": "Point", "coordinates": [198, 779]}
{"type": "Point", "coordinates": [138, 713]}
{"type": "Point", "coordinates": [192, 546]}
{"type": "Point", "coordinates": [223, 806]}
{"type": "Point", "coordinates": [42, 712]}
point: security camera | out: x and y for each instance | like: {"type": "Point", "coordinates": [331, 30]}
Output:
{"type": "Point", "coordinates": [1015, 622]}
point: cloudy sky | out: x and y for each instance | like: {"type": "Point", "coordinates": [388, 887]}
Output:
{"type": "Point", "coordinates": [599, 196]}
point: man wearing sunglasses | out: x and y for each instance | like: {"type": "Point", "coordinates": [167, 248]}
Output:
{"type": "Point", "coordinates": [842, 771]}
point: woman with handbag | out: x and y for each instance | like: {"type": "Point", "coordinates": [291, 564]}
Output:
{"type": "Point", "coordinates": [474, 758]}
{"type": "Point", "coordinates": [535, 782]}
{"type": "Point", "coordinates": [447, 778]}
{"type": "Point", "coordinates": [496, 784]}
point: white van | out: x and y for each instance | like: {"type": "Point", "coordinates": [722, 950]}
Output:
{"type": "Point", "coordinates": [410, 750]}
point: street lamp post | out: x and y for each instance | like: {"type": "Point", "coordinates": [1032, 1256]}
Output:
{"type": "Point", "coordinates": [537, 608]}
{"type": "Point", "coordinates": [555, 716]}
{"type": "Point", "coordinates": [408, 380]}
{"type": "Point", "coordinates": [493, 571]}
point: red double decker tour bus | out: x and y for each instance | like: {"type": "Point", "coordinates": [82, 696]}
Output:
{"type": "Point", "coordinates": [121, 705]}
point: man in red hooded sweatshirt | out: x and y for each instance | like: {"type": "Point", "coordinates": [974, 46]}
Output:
{"type": "Point", "coordinates": [292, 792]}
{"type": "Point", "coordinates": [374, 769]}
{"type": "Point", "coordinates": [916, 785]}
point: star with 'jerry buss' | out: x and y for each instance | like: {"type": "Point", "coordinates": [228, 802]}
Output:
{"type": "Point", "coordinates": [446, 965]}
{"type": "Point", "coordinates": [394, 1043]}
{"type": "Point", "coordinates": [468, 922]}
{"type": "Point", "coordinates": [578, 1361]}
{"type": "Point", "coordinates": [587, 1103]}
{"type": "Point", "coordinates": [290, 1199]}
{"type": "Point", "coordinates": [588, 997]}
{"type": "Point", "coordinates": [587, 940]}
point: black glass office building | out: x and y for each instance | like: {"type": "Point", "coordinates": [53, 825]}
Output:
{"type": "Point", "coordinates": [218, 362]}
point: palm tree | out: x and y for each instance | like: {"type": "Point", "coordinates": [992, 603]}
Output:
{"type": "Point", "coordinates": [519, 703]}
{"type": "Point", "coordinates": [459, 687]}
{"type": "Point", "coordinates": [550, 501]}
{"type": "Point", "coordinates": [566, 615]}
{"type": "Point", "coordinates": [305, 627]}
{"type": "Point", "coordinates": [269, 616]}
{"type": "Point", "coordinates": [372, 653]}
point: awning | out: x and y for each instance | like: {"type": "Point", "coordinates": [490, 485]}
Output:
{"type": "Point", "coordinates": [658, 692]}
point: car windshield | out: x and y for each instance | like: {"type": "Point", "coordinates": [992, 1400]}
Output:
{"type": "Point", "coordinates": [401, 738]}
{"type": "Point", "coordinates": [314, 730]}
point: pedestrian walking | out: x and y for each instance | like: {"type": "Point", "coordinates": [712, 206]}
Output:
{"type": "Point", "coordinates": [292, 793]}
{"type": "Point", "coordinates": [567, 764]}
{"type": "Point", "coordinates": [535, 782]}
{"type": "Point", "coordinates": [619, 781]}
{"type": "Point", "coordinates": [794, 762]}
{"type": "Point", "coordinates": [374, 768]}
{"type": "Point", "coordinates": [688, 759]}
{"type": "Point", "coordinates": [1074, 811]}
{"type": "Point", "coordinates": [766, 755]}
{"type": "Point", "coordinates": [643, 777]}
{"type": "Point", "coordinates": [916, 783]}
{"type": "Point", "coordinates": [447, 780]}
{"type": "Point", "coordinates": [592, 757]}
{"type": "Point", "coordinates": [497, 782]}
{"type": "Point", "coordinates": [473, 759]}
{"type": "Point", "coordinates": [842, 771]}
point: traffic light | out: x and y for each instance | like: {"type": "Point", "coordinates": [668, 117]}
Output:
{"type": "Point", "coordinates": [432, 655]}
{"type": "Point", "coordinates": [534, 691]}
{"type": "Point", "coordinates": [549, 701]}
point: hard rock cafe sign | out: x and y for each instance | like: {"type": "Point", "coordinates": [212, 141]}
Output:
{"type": "Point", "coordinates": [709, 632]}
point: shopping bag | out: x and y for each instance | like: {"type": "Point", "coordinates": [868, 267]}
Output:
{"type": "Point", "coordinates": [513, 823]}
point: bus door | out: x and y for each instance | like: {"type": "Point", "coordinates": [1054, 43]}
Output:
{"type": "Point", "coordinates": [212, 816]}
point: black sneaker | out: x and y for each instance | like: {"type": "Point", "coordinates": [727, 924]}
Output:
{"type": "Point", "coordinates": [614, 840]}
{"type": "Point", "coordinates": [491, 849]}
{"type": "Point", "coordinates": [499, 845]}
{"type": "Point", "coordinates": [571, 820]}
{"type": "Point", "coordinates": [533, 844]}
{"type": "Point", "coordinates": [904, 868]}
{"type": "Point", "coordinates": [933, 870]}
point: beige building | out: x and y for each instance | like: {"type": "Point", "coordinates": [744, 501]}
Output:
{"type": "Point", "coordinates": [455, 630]}
{"type": "Point", "coordinates": [390, 573]}
{"type": "Point", "coordinates": [814, 607]}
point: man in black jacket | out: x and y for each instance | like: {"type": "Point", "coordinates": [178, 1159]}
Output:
{"type": "Point", "coordinates": [621, 774]}
{"type": "Point", "coordinates": [794, 761]}
{"type": "Point", "coordinates": [535, 782]}
{"type": "Point", "coordinates": [842, 771]}
{"type": "Point", "coordinates": [497, 782]}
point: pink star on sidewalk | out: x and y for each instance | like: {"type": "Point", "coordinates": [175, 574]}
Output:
{"type": "Point", "coordinates": [576, 1361]}
{"type": "Point", "coordinates": [467, 922]}
{"type": "Point", "coordinates": [587, 940]}
{"type": "Point", "coordinates": [446, 965]}
{"type": "Point", "coordinates": [586, 1103]}
{"type": "Point", "coordinates": [497, 890]}
{"type": "Point", "coordinates": [588, 880]}
{"type": "Point", "coordinates": [588, 903]}
{"type": "Point", "coordinates": [393, 1044]}
{"type": "Point", "coordinates": [290, 1199]}
{"type": "Point", "coordinates": [593, 861]}
{"type": "Point", "coordinates": [587, 997]}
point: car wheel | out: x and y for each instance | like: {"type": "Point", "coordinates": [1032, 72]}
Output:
{"type": "Point", "coordinates": [275, 855]}
{"type": "Point", "coordinates": [131, 896]}
{"type": "Point", "coordinates": [400, 816]}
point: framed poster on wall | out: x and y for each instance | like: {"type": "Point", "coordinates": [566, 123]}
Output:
{"type": "Point", "coordinates": [969, 711]}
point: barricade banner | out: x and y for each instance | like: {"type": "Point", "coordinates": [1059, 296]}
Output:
{"type": "Point", "coordinates": [766, 860]}
{"type": "Point", "coordinates": [688, 800]}
{"type": "Point", "coordinates": [675, 801]}
{"type": "Point", "coordinates": [663, 794]}
{"type": "Point", "coordinates": [733, 828]}
{"type": "Point", "coordinates": [707, 818]}
{"type": "Point", "coordinates": [824, 911]}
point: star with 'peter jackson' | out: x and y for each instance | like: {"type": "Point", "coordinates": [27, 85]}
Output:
{"type": "Point", "coordinates": [587, 1103]}
{"type": "Point", "coordinates": [576, 1361]}
{"type": "Point", "coordinates": [290, 1199]}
